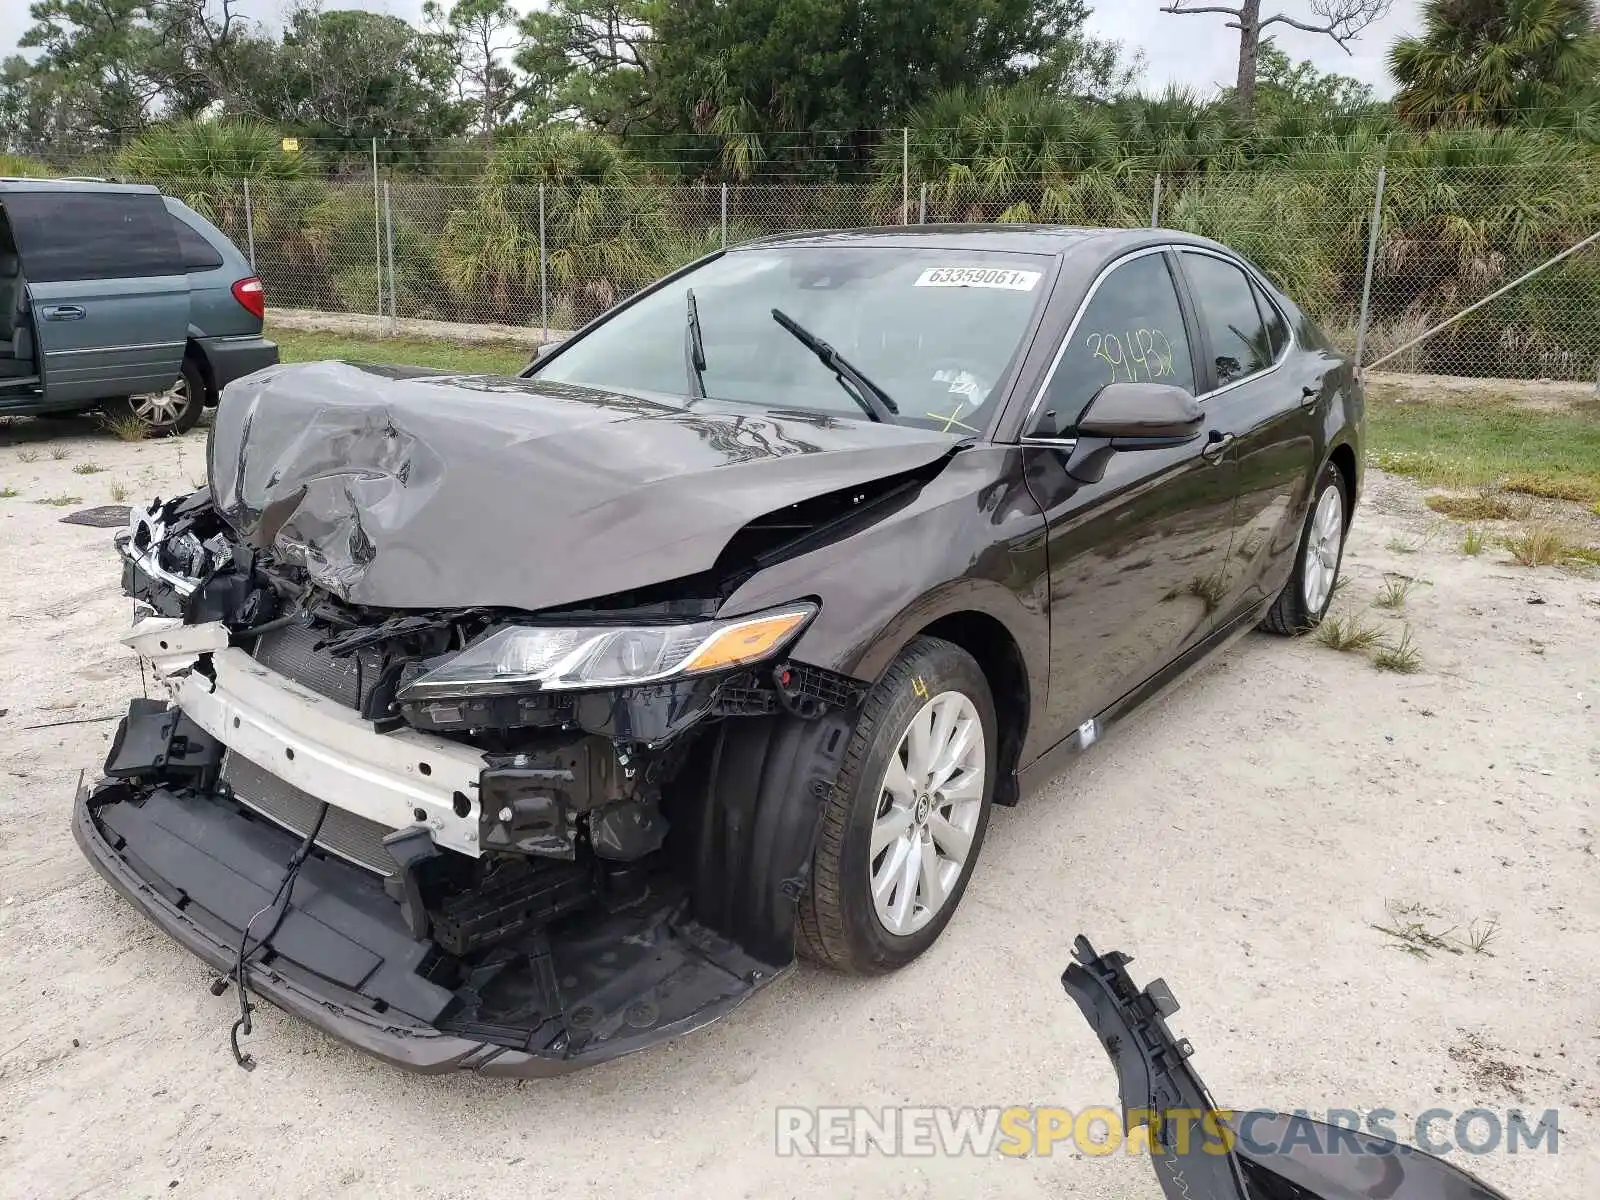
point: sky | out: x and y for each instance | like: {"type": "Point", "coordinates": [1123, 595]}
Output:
{"type": "Point", "coordinates": [1198, 51]}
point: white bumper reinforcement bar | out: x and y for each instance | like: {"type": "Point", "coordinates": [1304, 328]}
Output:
{"type": "Point", "coordinates": [321, 747]}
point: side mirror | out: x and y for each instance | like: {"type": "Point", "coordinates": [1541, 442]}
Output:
{"type": "Point", "coordinates": [1132, 416]}
{"type": "Point", "coordinates": [1141, 416]}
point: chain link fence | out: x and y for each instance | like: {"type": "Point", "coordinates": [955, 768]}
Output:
{"type": "Point", "coordinates": [548, 256]}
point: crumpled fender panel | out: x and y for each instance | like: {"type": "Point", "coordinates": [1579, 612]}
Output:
{"type": "Point", "coordinates": [399, 489]}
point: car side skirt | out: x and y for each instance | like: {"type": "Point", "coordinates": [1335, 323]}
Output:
{"type": "Point", "coordinates": [1053, 761]}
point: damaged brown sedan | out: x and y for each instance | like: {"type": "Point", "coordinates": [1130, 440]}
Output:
{"type": "Point", "coordinates": [517, 723]}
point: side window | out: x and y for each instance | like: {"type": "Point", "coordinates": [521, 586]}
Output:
{"type": "Point", "coordinates": [1277, 327]}
{"type": "Point", "coordinates": [198, 254]}
{"type": "Point", "coordinates": [1240, 342]}
{"type": "Point", "coordinates": [67, 235]}
{"type": "Point", "coordinates": [1131, 332]}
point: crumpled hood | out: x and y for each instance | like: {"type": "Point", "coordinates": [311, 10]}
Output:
{"type": "Point", "coordinates": [399, 488]}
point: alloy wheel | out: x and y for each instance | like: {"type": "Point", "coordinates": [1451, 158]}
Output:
{"type": "Point", "coordinates": [1323, 543]}
{"type": "Point", "coordinates": [929, 805]}
{"type": "Point", "coordinates": [160, 409]}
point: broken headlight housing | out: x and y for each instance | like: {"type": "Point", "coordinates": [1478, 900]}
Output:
{"type": "Point", "coordinates": [541, 658]}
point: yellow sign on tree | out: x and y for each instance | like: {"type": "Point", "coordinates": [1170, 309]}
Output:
{"type": "Point", "coordinates": [291, 145]}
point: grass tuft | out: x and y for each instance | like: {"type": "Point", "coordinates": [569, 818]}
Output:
{"type": "Point", "coordinates": [1543, 546]}
{"type": "Point", "coordinates": [1347, 633]}
{"type": "Point", "coordinates": [1403, 656]}
{"type": "Point", "coordinates": [60, 452]}
{"type": "Point", "coordinates": [9, 493]}
{"type": "Point", "coordinates": [1555, 487]}
{"type": "Point", "coordinates": [1394, 591]}
{"type": "Point", "coordinates": [1472, 543]}
{"type": "Point", "coordinates": [125, 427]}
{"type": "Point", "coordinates": [28, 455]}
{"type": "Point", "coordinates": [87, 469]}
{"type": "Point", "coordinates": [1418, 931]}
{"type": "Point", "coordinates": [60, 501]}
{"type": "Point", "coordinates": [119, 492]}
{"type": "Point", "coordinates": [1482, 507]}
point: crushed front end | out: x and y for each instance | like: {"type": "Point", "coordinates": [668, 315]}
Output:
{"type": "Point", "coordinates": [517, 879]}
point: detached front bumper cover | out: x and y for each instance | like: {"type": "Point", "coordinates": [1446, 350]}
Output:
{"type": "Point", "coordinates": [407, 1043]}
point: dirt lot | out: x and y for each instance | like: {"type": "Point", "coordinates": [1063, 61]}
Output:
{"type": "Point", "coordinates": [1242, 837]}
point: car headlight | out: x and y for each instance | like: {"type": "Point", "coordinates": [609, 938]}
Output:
{"type": "Point", "coordinates": [525, 658]}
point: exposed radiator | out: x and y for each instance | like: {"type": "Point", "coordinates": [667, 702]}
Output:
{"type": "Point", "coordinates": [343, 833]}
{"type": "Point", "coordinates": [291, 651]}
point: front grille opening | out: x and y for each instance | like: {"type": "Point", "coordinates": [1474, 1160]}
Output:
{"type": "Point", "coordinates": [351, 837]}
{"type": "Point", "coordinates": [292, 651]}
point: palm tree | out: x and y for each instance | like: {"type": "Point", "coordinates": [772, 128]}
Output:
{"type": "Point", "coordinates": [1013, 154]}
{"type": "Point", "coordinates": [608, 231]}
{"type": "Point", "coordinates": [1494, 61]}
{"type": "Point", "coordinates": [203, 163]}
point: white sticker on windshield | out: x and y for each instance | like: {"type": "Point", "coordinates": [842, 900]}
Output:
{"type": "Point", "coordinates": [979, 277]}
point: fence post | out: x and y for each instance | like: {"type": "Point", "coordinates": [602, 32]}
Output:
{"type": "Point", "coordinates": [1372, 259]}
{"type": "Point", "coordinates": [544, 291]}
{"type": "Point", "coordinates": [905, 176]}
{"type": "Point", "coordinates": [249, 223]}
{"type": "Point", "coordinates": [377, 222]}
{"type": "Point", "coordinates": [922, 206]}
{"type": "Point", "coordinates": [388, 237]}
{"type": "Point", "coordinates": [724, 216]}
{"type": "Point", "coordinates": [1155, 205]}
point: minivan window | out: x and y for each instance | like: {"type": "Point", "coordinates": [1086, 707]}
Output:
{"type": "Point", "coordinates": [1131, 332]}
{"type": "Point", "coordinates": [1240, 342]}
{"type": "Point", "coordinates": [198, 254]}
{"type": "Point", "coordinates": [67, 235]}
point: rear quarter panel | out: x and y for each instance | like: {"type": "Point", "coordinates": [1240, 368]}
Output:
{"type": "Point", "coordinates": [213, 312]}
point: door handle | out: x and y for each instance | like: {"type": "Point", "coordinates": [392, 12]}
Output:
{"type": "Point", "coordinates": [1309, 394]}
{"type": "Point", "coordinates": [65, 312]}
{"type": "Point", "coordinates": [1214, 449]}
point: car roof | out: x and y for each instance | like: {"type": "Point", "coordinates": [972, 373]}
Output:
{"type": "Point", "coordinates": [76, 185]}
{"type": "Point", "coordinates": [1084, 250]}
{"type": "Point", "coordinates": [1017, 239]}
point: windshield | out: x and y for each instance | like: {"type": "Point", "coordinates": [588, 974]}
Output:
{"type": "Point", "coordinates": [932, 328]}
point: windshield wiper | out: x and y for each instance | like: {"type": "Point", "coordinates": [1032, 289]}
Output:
{"type": "Point", "coordinates": [694, 351]}
{"type": "Point", "coordinates": [874, 401]}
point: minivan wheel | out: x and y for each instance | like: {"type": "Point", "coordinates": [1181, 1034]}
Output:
{"type": "Point", "coordinates": [902, 832]}
{"type": "Point", "coordinates": [176, 410]}
{"type": "Point", "coordinates": [1305, 598]}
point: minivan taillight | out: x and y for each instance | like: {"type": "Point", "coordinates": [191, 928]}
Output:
{"type": "Point", "coordinates": [252, 296]}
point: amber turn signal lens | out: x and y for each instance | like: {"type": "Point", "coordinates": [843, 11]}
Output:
{"type": "Point", "coordinates": [746, 642]}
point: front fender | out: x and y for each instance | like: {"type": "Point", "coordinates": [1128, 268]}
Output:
{"type": "Point", "coordinates": [972, 541]}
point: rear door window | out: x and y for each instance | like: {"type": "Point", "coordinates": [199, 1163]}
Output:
{"type": "Point", "coordinates": [1241, 344]}
{"type": "Point", "coordinates": [1132, 331]}
{"type": "Point", "coordinates": [1277, 326]}
{"type": "Point", "coordinates": [198, 254]}
{"type": "Point", "coordinates": [66, 235]}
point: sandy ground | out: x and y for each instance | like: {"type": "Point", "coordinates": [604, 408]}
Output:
{"type": "Point", "coordinates": [1241, 837]}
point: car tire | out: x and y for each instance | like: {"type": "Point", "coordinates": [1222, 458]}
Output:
{"type": "Point", "coordinates": [174, 411]}
{"type": "Point", "coordinates": [842, 924]}
{"type": "Point", "coordinates": [1305, 598]}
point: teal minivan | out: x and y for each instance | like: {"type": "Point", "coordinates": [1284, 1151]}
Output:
{"type": "Point", "coordinates": [114, 296]}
